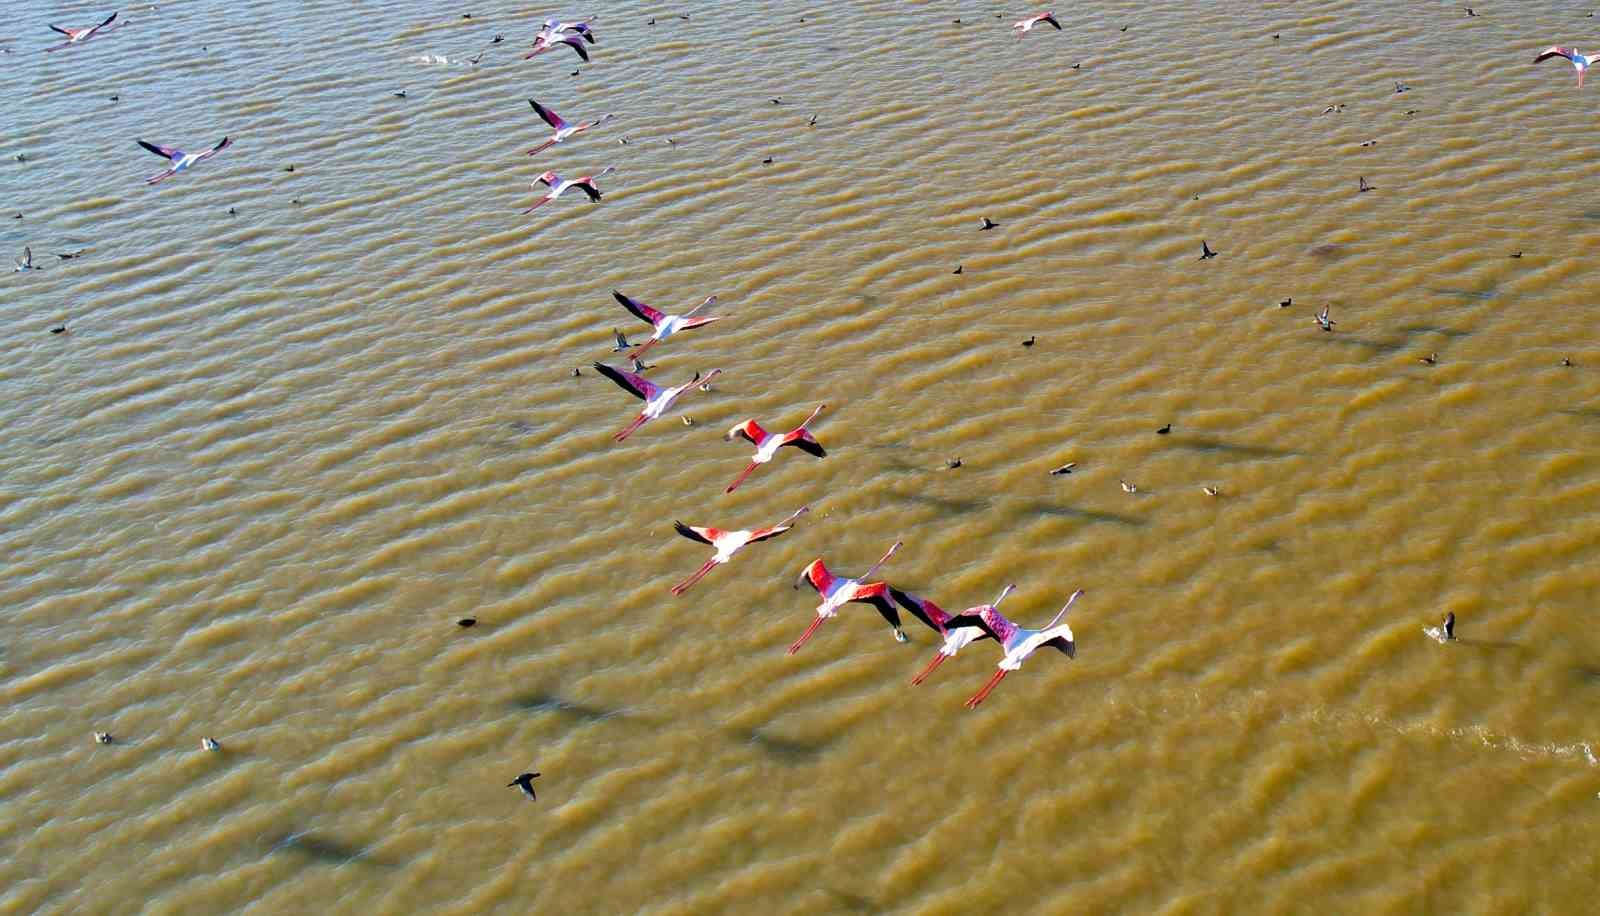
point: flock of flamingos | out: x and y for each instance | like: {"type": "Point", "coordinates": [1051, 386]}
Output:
{"type": "Point", "coordinates": [957, 630]}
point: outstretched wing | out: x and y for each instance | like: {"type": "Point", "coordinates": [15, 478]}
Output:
{"type": "Point", "coordinates": [1546, 54]}
{"type": "Point", "coordinates": [641, 311]}
{"type": "Point", "coordinates": [550, 117]}
{"type": "Point", "coordinates": [880, 600]}
{"type": "Point", "coordinates": [806, 444]}
{"type": "Point", "coordinates": [576, 44]}
{"type": "Point", "coordinates": [920, 608]}
{"type": "Point", "coordinates": [636, 385]}
{"type": "Point", "coordinates": [165, 152]}
{"type": "Point", "coordinates": [215, 149]}
{"type": "Point", "coordinates": [703, 535]}
{"type": "Point", "coordinates": [816, 573]}
{"type": "Point", "coordinates": [68, 32]}
{"type": "Point", "coordinates": [968, 619]}
{"type": "Point", "coordinates": [586, 185]}
{"type": "Point", "coordinates": [750, 431]}
{"type": "Point", "coordinates": [762, 534]}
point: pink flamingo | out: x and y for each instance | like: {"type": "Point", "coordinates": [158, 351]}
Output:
{"type": "Point", "coordinates": [548, 39]}
{"type": "Point", "coordinates": [1018, 642]}
{"type": "Point", "coordinates": [563, 130]}
{"type": "Point", "coordinates": [1580, 62]}
{"type": "Point", "coordinates": [727, 543]}
{"type": "Point", "coordinates": [955, 638]}
{"type": "Point", "coordinates": [665, 325]}
{"type": "Point", "coordinates": [767, 444]}
{"type": "Point", "coordinates": [1024, 26]}
{"type": "Point", "coordinates": [555, 27]}
{"type": "Point", "coordinates": [656, 399]}
{"type": "Point", "coordinates": [79, 36]}
{"type": "Point", "coordinates": [180, 160]}
{"type": "Point", "coordinates": [837, 592]}
{"type": "Point", "coordinates": [557, 185]}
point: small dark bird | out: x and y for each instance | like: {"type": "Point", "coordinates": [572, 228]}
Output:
{"type": "Point", "coordinates": [1285, 303]}
{"type": "Point", "coordinates": [1210, 491]}
{"type": "Point", "coordinates": [69, 255]}
{"type": "Point", "coordinates": [577, 373]}
{"type": "Point", "coordinates": [671, 142]}
{"type": "Point", "coordinates": [60, 328]}
{"type": "Point", "coordinates": [652, 21]}
{"type": "Point", "coordinates": [1412, 111]}
{"type": "Point", "coordinates": [1470, 13]}
{"type": "Point", "coordinates": [288, 168]}
{"type": "Point", "coordinates": [466, 15]}
{"type": "Point", "coordinates": [1430, 359]}
{"type": "Point", "coordinates": [622, 341]}
{"type": "Point", "coordinates": [957, 270]}
{"type": "Point", "coordinates": [777, 101]}
{"type": "Point", "coordinates": [18, 216]}
{"type": "Point", "coordinates": [115, 98]}
{"type": "Point", "coordinates": [400, 95]}
{"type": "Point", "coordinates": [232, 212]}
{"type": "Point", "coordinates": [1363, 186]}
{"type": "Point", "coordinates": [683, 15]}
{"type": "Point", "coordinates": [22, 157]}
{"type": "Point", "coordinates": [295, 201]}
{"type": "Point", "coordinates": [812, 122]}
{"type": "Point", "coordinates": [1400, 87]}
{"type": "Point", "coordinates": [953, 463]}
{"type": "Point", "coordinates": [497, 39]}
{"type": "Point", "coordinates": [1029, 341]}
{"type": "Point", "coordinates": [1369, 143]}
{"type": "Point", "coordinates": [623, 141]}
{"type": "Point", "coordinates": [1164, 430]}
{"type": "Point", "coordinates": [473, 60]}
{"type": "Point", "coordinates": [1565, 361]}
{"type": "Point", "coordinates": [1123, 29]}
{"type": "Point", "coordinates": [640, 368]}
{"type": "Point", "coordinates": [103, 738]}
{"type": "Point", "coordinates": [1064, 469]}
{"type": "Point", "coordinates": [767, 161]}
{"type": "Point", "coordinates": [1323, 320]}
{"type": "Point", "coordinates": [467, 622]}
{"type": "Point", "coordinates": [1206, 253]}
{"type": "Point", "coordinates": [574, 73]}
{"type": "Point", "coordinates": [987, 224]}
{"type": "Point", "coordinates": [1517, 255]}
{"type": "Point", "coordinates": [1077, 66]}
{"type": "Point", "coordinates": [1274, 36]}
{"type": "Point", "coordinates": [210, 744]}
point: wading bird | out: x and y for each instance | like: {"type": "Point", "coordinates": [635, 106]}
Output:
{"type": "Point", "coordinates": [1580, 62]}
{"type": "Point", "coordinates": [767, 444]}
{"type": "Point", "coordinates": [955, 639]}
{"type": "Point", "coordinates": [558, 185]}
{"type": "Point", "coordinates": [837, 592]}
{"type": "Point", "coordinates": [180, 160]}
{"type": "Point", "coordinates": [665, 325]}
{"type": "Point", "coordinates": [563, 130]}
{"type": "Point", "coordinates": [727, 543]}
{"type": "Point", "coordinates": [656, 399]}
{"type": "Point", "coordinates": [1018, 642]}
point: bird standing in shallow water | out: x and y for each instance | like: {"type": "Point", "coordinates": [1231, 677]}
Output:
{"type": "Point", "coordinates": [525, 781]}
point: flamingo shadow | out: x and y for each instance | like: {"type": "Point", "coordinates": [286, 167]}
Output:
{"type": "Point", "coordinates": [786, 750]}
{"type": "Point", "coordinates": [545, 702]}
{"type": "Point", "coordinates": [1217, 446]}
{"type": "Point", "coordinates": [325, 851]}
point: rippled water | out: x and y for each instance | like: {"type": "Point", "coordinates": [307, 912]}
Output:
{"type": "Point", "coordinates": [280, 452]}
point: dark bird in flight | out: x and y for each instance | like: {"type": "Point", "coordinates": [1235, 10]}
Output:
{"type": "Point", "coordinates": [987, 224]}
{"type": "Point", "coordinates": [1206, 253]}
{"type": "Point", "coordinates": [1164, 430]}
{"type": "Point", "coordinates": [1364, 186]}
{"type": "Point", "coordinates": [526, 782]}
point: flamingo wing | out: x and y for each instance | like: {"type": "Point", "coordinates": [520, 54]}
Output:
{"type": "Point", "coordinates": [165, 152]}
{"type": "Point", "coordinates": [641, 311]}
{"type": "Point", "coordinates": [586, 185]}
{"type": "Point", "coordinates": [694, 533]}
{"type": "Point", "coordinates": [817, 574]}
{"type": "Point", "coordinates": [1546, 54]}
{"type": "Point", "coordinates": [922, 609]}
{"type": "Point", "coordinates": [550, 117]}
{"type": "Point", "coordinates": [968, 619]}
{"type": "Point", "coordinates": [576, 43]}
{"type": "Point", "coordinates": [879, 598]}
{"type": "Point", "coordinates": [67, 32]}
{"type": "Point", "coordinates": [109, 19]}
{"type": "Point", "coordinates": [805, 443]}
{"type": "Point", "coordinates": [697, 322]}
{"type": "Point", "coordinates": [1066, 646]}
{"type": "Point", "coordinates": [751, 432]}
{"type": "Point", "coordinates": [636, 385]}
{"type": "Point", "coordinates": [215, 149]}
{"type": "Point", "coordinates": [762, 534]}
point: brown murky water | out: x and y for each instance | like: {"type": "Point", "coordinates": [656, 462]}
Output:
{"type": "Point", "coordinates": [280, 452]}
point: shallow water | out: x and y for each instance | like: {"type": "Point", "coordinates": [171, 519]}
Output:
{"type": "Point", "coordinates": [279, 453]}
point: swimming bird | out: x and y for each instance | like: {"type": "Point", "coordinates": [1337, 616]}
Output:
{"type": "Point", "coordinates": [1363, 186]}
{"type": "Point", "coordinates": [1210, 491]}
{"type": "Point", "coordinates": [987, 224]}
{"type": "Point", "coordinates": [1030, 341]}
{"type": "Point", "coordinates": [836, 592]}
{"type": "Point", "coordinates": [1516, 255]}
{"type": "Point", "coordinates": [1323, 320]}
{"type": "Point", "coordinates": [1018, 642]}
{"type": "Point", "coordinates": [563, 130]}
{"type": "Point", "coordinates": [1580, 62]}
{"type": "Point", "coordinates": [812, 122]}
{"type": "Point", "coordinates": [80, 35]}
{"type": "Point", "coordinates": [656, 399]}
{"type": "Point", "coordinates": [665, 325]}
{"type": "Point", "coordinates": [467, 622]}
{"type": "Point", "coordinates": [546, 40]}
{"type": "Point", "coordinates": [400, 94]}
{"type": "Point", "coordinates": [1285, 303]}
{"type": "Point", "coordinates": [60, 328]}
{"type": "Point", "coordinates": [1164, 430]}
{"type": "Point", "coordinates": [957, 271]}
{"type": "Point", "coordinates": [525, 781]}
{"type": "Point", "coordinates": [1128, 487]}
{"type": "Point", "coordinates": [180, 160]}
{"type": "Point", "coordinates": [558, 185]}
{"type": "Point", "coordinates": [767, 444]}
{"type": "Point", "coordinates": [210, 744]}
{"type": "Point", "coordinates": [1430, 359]}
{"type": "Point", "coordinates": [26, 261]}
{"type": "Point", "coordinates": [1446, 631]}
{"type": "Point", "coordinates": [1024, 26]}
{"type": "Point", "coordinates": [1334, 108]}
{"type": "Point", "coordinates": [102, 738]}
{"type": "Point", "coordinates": [1206, 253]}
{"type": "Point", "coordinates": [727, 543]}
{"type": "Point", "coordinates": [955, 638]}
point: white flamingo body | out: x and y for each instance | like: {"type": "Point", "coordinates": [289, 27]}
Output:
{"type": "Point", "coordinates": [178, 160]}
{"type": "Point", "coordinates": [727, 543]}
{"type": "Point", "coordinates": [563, 130]}
{"type": "Point", "coordinates": [1019, 642]}
{"type": "Point", "coordinates": [1024, 26]}
{"type": "Point", "coordinates": [559, 185]}
{"type": "Point", "coordinates": [837, 591]}
{"type": "Point", "coordinates": [664, 325]}
{"type": "Point", "coordinates": [767, 444]}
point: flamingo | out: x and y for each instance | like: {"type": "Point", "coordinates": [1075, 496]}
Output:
{"type": "Point", "coordinates": [563, 130]}
{"type": "Point", "coordinates": [1018, 642]}
{"type": "Point", "coordinates": [180, 160]}
{"type": "Point", "coordinates": [936, 617]}
{"type": "Point", "coordinates": [546, 40]}
{"type": "Point", "coordinates": [557, 185]}
{"type": "Point", "coordinates": [665, 325]}
{"type": "Point", "coordinates": [1024, 26]}
{"type": "Point", "coordinates": [836, 592]}
{"type": "Point", "coordinates": [81, 35]}
{"type": "Point", "coordinates": [656, 399]}
{"type": "Point", "coordinates": [727, 543]}
{"type": "Point", "coordinates": [1580, 62]}
{"type": "Point", "coordinates": [767, 444]}
{"type": "Point", "coordinates": [581, 26]}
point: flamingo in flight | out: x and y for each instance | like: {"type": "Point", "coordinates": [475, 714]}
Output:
{"type": "Point", "coordinates": [563, 130]}
{"type": "Point", "coordinates": [558, 185]}
{"type": "Point", "coordinates": [548, 39]}
{"type": "Point", "coordinates": [1018, 642]}
{"type": "Point", "coordinates": [79, 36]}
{"type": "Point", "coordinates": [656, 399]}
{"type": "Point", "coordinates": [555, 27]}
{"type": "Point", "coordinates": [1024, 26]}
{"type": "Point", "coordinates": [1580, 62]}
{"type": "Point", "coordinates": [665, 325]}
{"type": "Point", "coordinates": [836, 592]}
{"type": "Point", "coordinates": [180, 160]}
{"type": "Point", "coordinates": [767, 444]}
{"type": "Point", "coordinates": [727, 543]}
{"type": "Point", "coordinates": [955, 638]}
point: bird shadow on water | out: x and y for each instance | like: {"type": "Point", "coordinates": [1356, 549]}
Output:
{"type": "Point", "coordinates": [854, 903]}
{"type": "Point", "coordinates": [324, 851]}
{"type": "Point", "coordinates": [1033, 507]}
{"type": "Point", "coordinates": [548, 702]}
{"type": "Point", "coordinates": [792, 751]}
{"type": "Point", "coordinates": [1217, 446]}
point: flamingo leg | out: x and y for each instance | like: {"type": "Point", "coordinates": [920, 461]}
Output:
{"type": "Point", "coordinates": [699, 574]}
{"type": "Point", "coordinates": [981, 695]}
{"type": "Point", "coordinates": [541, 147]}
{"type": "Point", "coordinates": [806, 635]}
{"type": "Point", "coordinates": [937, 661]}
{"type": "Point", "coordinates": [637, 422]}
{"type": "Point", "coordinates": [639, 350]}
{"type": "Point", "coordinates": [740, 479]}
{"type": "Point", "coordinates": [541, 202]}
